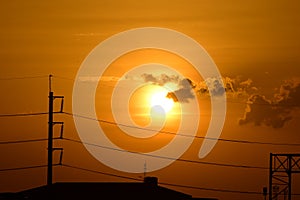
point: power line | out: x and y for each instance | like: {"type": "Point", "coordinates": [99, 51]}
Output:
{"type": "Point", "coordinates": [164, 183]}
{"type": "Point", "coordinates": [159, 131]}
{"type": "Point", "coordinates": [146, 129]}
{"type": "Point", "coordinates": [149, 155]}
{"type": "Point", "coordinates": [171, 184]}
{"type": "Point", "coordinates": [27, 141]}
{"type": "Point", "coordinates": [103, 173]}
{"type": "Point", "coordinates": [184, 135]}
{"type": "Point", "coordinates": [23, 114]}
{"type": "Point", "coordinates": [23, 168]}
{"type": "Point", "coordinates": [131, 178]}
{"type": "Point", "coordinates": [211, 189]}
{"type": "Point", "coordinates": [23, 141]}
{"type": "Point", "coordinates": [23, 77]}
{"type": "Point", "coordinates": [137, 179]}
{"type": "Point", "coordinates": [72, 79]}
{"type": "Point", "coordinates": [229, 101]}
{"type": "Point", "coordinates": [168, 184]}
{"type": "Point", "coordinates": [169, 158]}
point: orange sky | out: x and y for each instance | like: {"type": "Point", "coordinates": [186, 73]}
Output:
{"type": "Point", "coordinates": [255, 45]}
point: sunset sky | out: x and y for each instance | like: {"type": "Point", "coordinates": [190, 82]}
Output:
{"type": "Point", "coordinates": [255, 45]}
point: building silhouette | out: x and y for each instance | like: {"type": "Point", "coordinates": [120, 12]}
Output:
{"type": "Point", "coordinates": [149, 189]}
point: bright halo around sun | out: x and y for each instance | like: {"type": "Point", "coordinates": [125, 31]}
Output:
{"type": "Point", "coordinates": [160, 102]}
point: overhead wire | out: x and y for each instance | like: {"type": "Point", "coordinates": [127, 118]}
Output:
{"type": "Point", "coordinates": [23, 114]}
{"type": "Point", "coordinates": [23, 141]}
{"type": "Point", "coordinates": [164, 183]}
{"type": "Point", "coordinates": [139, 179]}
{"type": "Point", "coordinates": [24, 168]}
{"type": "Point", "coordinates": [211, 189]}
{"type": "Point", "coordinates": [126, 177]}
{"type": "Point", "coordinates": [113, 123]}
{"type": "Point", "coordinates": [153, 130]}
{"type": "Point", "coordinates": [171, 184]}
{"type": "Point", "coordinates": [133, 152]}
{"type": "Point", "coordinates": [227, 100]}
{"type": "Point", "coordinates": [23, 77]}
{"type": "Point", "coordinates": [72, 79]}
{"type": "Point", "coordinates": [184, 135]}
{"type": "Point", "coordinates": [103, 173]}
{"type": "Point", "coordinates": [170, 158]}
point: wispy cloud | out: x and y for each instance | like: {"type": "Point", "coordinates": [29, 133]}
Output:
{"type": "Point", "coordinates": [161, 80]}
{"type": "Point", "coordinates": [87, 34]}
{"type": "Point", "coordinates": [96, 78]}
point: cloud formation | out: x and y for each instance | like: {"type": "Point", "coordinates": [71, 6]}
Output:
{"type": "Point", "coordinates": [212, 85]}
{"type": "Point", "coordinates": [184, 93]}
{"type": "Point", "coordinates": [215, 86]}
{"type": "Point", "coordinates": [276, 112]}
{"type": "Point", "coordinates": [273, 112]}
{"type": "Point", "coordinates": [234, 87]}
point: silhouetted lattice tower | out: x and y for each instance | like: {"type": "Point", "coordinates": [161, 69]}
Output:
{"type": "Point", "coordinates": [282, 166]}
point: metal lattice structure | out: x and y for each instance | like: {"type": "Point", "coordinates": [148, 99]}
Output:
{"type": "Point", "coordinates": [282, 166]}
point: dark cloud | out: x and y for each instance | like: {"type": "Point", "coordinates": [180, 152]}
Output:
{"type": "Point", "coordinates": [261, 111]}
{"type": "Point", "coordinates": [275, 113]}
{"type": "Point", "coordinates": [289, 94]}
{"type": "Point", "coordinates": [216, 88]}
{"type": "Point", "coordinates": [234, 87]}
{"type": "Point", "coordinates": [184, 93]}
{"type": "Point", "coordinates": [212, 86]}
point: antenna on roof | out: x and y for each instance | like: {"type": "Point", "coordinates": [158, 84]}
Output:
{"type": "Point", "coordinates": [145, 168]}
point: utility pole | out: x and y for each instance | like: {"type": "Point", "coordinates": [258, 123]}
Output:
{"type": "Point", "coordinates": [50, 135]}
{"type": "Point", "coordinates": [51, 123]}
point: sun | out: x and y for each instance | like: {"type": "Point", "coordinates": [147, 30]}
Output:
{"type": "Point", "coordinates": [150, 103]}
{"type": "Point", "coordinates": [160, 102]}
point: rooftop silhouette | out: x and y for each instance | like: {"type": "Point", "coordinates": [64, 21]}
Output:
{"type": "Point", "coordinates": [149, 189]}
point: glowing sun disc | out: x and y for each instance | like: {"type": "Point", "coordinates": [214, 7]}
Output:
{"type": "Point", "coordinates": [160, 99]}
